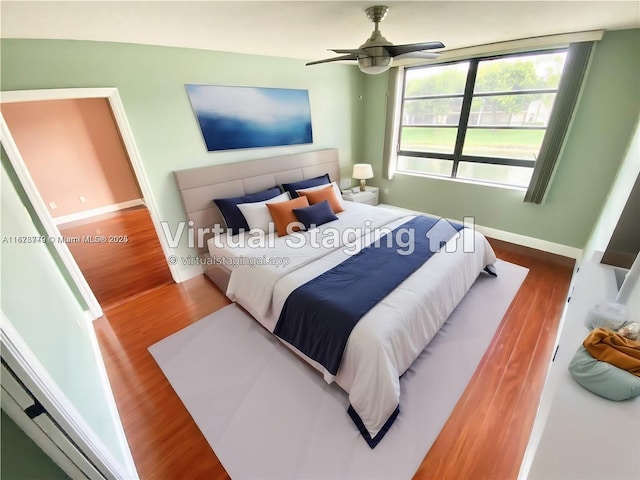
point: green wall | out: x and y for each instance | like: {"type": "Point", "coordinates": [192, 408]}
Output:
{"type": "Point", "coordinates": [13, 178]}
{"type": "Point", "coordinates": [40, 305]}
{"type": "Point", "coordinates": [601, 131]}
{"type": "Point", "coordinates": [151, 81]}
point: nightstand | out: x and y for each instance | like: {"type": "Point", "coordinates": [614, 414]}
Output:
{"type": "Point", "coordinates": [369, 196]}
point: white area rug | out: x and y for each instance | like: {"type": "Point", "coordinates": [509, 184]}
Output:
{"type": "Point", "coordinates": [267, 415]}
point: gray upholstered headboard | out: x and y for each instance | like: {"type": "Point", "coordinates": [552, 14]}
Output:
{"type": "Point", "coordinates": [199, 186]}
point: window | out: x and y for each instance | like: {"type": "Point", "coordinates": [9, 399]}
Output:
{"type": "Point", "coordinates": [481, 119]}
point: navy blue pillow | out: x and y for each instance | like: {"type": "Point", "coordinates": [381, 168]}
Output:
{"type": "Point", "coordinates": [308, 183]}
{"type": "Point", "coordinates": [233, 216]}
{"type": "Point", "coordinates": [316, 214]}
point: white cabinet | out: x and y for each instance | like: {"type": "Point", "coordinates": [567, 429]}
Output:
{"type": "Point", "coordinates": [577, 434]}
{"type": "Point", "coordinates": [369, 196]}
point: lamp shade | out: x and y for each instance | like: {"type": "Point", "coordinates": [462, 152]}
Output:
{"type": "Point", "coordinates": [362, 171]}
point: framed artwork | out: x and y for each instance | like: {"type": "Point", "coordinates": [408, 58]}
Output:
{"type": "Point", "coordinates": [249, 117]}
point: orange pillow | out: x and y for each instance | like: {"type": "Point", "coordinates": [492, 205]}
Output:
{"type": "Point", "coordinates": [321, 194]}
{"type": "Point", "coordinates": [282, 214]}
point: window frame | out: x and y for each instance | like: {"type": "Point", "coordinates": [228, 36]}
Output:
{"type": "Point", "coordinates": [468, 95]}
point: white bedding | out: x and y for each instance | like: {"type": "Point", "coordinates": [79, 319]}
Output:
{"type": "Point", "coordinates": [391, 335]}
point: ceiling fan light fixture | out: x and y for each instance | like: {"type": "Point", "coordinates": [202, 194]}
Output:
{"type": "Point", "coordinates": [376, 54]}
{"type": "Point", "coordinates": [374, 65]}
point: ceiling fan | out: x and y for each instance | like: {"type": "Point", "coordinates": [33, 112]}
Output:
{"type": "Point", "coordinates": [377, 53]}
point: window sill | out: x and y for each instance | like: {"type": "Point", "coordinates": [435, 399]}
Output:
{"type": "Point", "coordinates": [463, 180]}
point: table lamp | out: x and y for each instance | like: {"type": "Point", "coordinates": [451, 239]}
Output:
{"type": "Point", "coordinates": [362, 171]}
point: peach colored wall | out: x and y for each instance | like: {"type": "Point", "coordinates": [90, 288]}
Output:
{"type": "Point", "coordinates": [72, 148]}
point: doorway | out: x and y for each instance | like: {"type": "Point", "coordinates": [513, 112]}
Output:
{"type": "Point", "coordinates": [74, 153]}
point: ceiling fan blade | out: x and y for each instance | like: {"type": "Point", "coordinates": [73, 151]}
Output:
{"type": "Point", "coordinates": [335, 59]}
{"type": "Point", "coordinates": [395, 50]}
{"type": "Point", "coordinates": [422, 55]}
{"type": "Point", "coordinates": [354, 51]}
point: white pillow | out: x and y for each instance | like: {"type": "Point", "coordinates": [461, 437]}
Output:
{"type": "Point", "coordinates": [257, 214]}
{"type": "Point", "coordinates": [336, 190]}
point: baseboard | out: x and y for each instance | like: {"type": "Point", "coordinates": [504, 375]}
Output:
{"type": "Point", "coordinates": [531, 242]}
{"type": "Point", "coordinates": [190, 272]}
{"type": "Point", "coordinates": [518, 239]}
{"type": "Point", "coordinates": [94, 212]}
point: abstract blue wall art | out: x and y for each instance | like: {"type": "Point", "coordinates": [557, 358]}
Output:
{"type": "Point", "coordinates": [250, 117]}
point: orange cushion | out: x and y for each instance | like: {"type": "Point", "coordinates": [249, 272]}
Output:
{"type": "Point", "coordinates": [282, 214]}
{"type": "Point", "coordinates": [321, 194]}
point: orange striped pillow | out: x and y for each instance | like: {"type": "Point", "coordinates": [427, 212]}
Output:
{"type": "Point", "coordinates": [321, 194]}
{"type": "Point", "coordinates": [282, 214]}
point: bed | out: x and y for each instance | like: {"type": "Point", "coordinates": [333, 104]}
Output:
{"type": "Point", "coordinates": [388, 336]}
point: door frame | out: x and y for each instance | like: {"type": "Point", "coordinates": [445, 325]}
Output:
{"type": "Point", "coordinates": [112, 95]}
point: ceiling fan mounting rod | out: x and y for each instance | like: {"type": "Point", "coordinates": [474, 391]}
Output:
{"type": "Point", "coordinates": [377, 13]}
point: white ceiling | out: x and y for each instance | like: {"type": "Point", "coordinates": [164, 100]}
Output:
{"type": "Point", "coordinates": [305, 30]}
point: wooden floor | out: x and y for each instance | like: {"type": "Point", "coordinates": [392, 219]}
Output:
{"type": "Point", "coordinates": [484, 438]}
{"type": "Point", "coordinates": [128, 263]}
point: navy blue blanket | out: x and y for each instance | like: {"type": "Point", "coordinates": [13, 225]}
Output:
{"type": "Point", "coordinates": [318, 316]}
